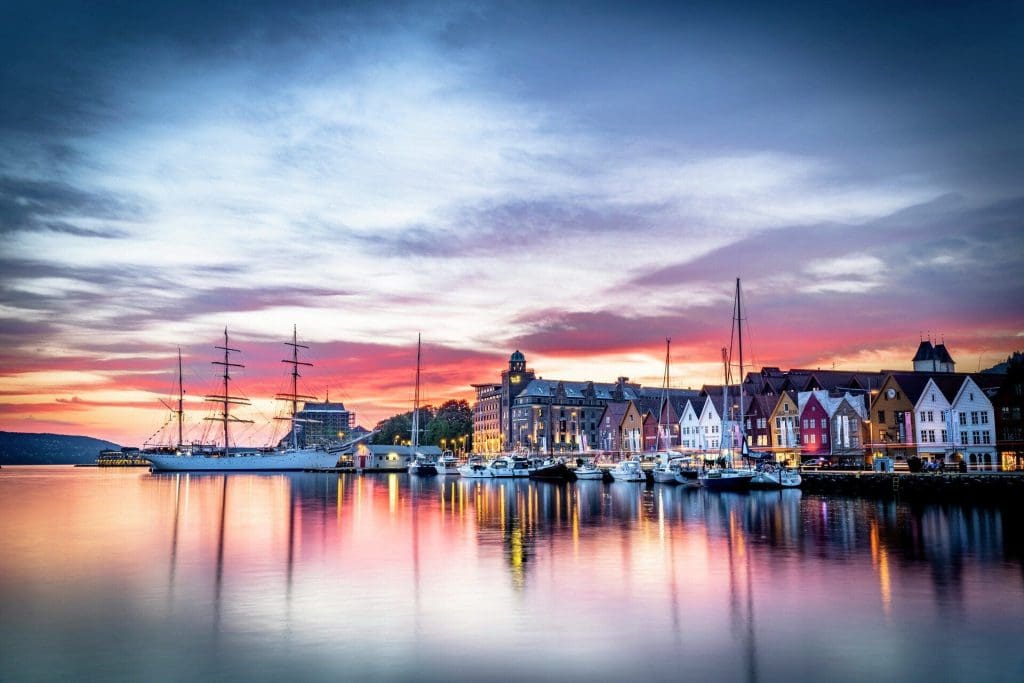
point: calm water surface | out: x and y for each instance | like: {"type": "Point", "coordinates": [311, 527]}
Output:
{"type": "Point", "coordinates": [119, 574]}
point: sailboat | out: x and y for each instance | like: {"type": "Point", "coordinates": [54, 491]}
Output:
{"type": "Point", "coordinates": [421, 464]}
{"type": "Point", "coordinates": [729, 478]}
{"type": "Point", "coordinates": [665, 471]}
{"type": "Point", "coordinates": [279, 459]}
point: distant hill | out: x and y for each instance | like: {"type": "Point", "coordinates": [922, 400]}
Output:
{"type": "Point", "coordinates": [17, 448]}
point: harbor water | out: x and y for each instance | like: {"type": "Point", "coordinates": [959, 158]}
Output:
{"type": "Point", "coordinates": [126, 575]}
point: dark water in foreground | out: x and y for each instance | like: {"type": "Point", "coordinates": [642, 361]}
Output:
{"type": "Point", "coordinates": [124, 575]}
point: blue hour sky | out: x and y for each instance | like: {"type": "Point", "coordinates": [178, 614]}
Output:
{"type": "Point", "coordinates": [576, 180]}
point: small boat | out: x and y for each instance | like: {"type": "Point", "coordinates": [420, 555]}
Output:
{"type": "Point", "coordinates": [726, 479]}
{"type": "Point", "coordinates": [552, 469]}
{"type": "Point", "coordinates": [589, 471]}
{"type": "Point", "coordinates": [667, 471]}
{"type": "Point", "coordinates": [423, 465]}
{"type": "Point", "coordinates": [771, 477]}
{"type": "Point", "coordinates": [510, 466]}
{"type": "Point", "coordinates": [475, 468]}
{"type": "Point", "coordinates": [447, 464]}
{"type": "Point", "coordinates": [629, 470]}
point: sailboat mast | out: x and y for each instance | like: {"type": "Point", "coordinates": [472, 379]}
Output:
{"type": "Point", "coordinates": [181, 404]}
{"type": "Point", "coordinates": [739, 336]}
{"type": "Point", "coordinates": [416, 400]}
{"type": "Point", "coordinates": [664, 396]}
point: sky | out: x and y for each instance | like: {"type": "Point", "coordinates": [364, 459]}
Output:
{"type": "Point", "coordinates": [574, 180]}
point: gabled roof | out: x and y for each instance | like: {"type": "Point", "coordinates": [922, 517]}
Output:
{"type": "Point", "coordinates": [697, 403]}
{"type": "Point", "coordinates": [942, 354]}
{"type": "Point", "coordinates": [948, 384]}
{"type": "Point", "coordinates": [912, 384]}
{"type": "Point", "coordinates": [615, 411]}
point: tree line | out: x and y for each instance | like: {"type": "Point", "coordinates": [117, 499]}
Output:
{"type": "Point", "coordinates": [449, 426]}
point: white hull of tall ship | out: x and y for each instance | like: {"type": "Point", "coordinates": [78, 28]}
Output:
{"type": "Point", "coordinates": [628, 470]}
{"type": "Point", "coordinates": [274, 461]}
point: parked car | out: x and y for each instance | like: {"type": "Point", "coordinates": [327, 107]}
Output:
{"type": "Point", "coordinates": [814, 463]}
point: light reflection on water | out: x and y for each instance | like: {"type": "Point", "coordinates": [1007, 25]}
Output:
{"type": "Point", "coordinates": [122, 574]}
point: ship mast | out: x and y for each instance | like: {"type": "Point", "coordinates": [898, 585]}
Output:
{"type": "Point", "coordinates": [181, 404]}
{"type": "Point", "coordinates": [226, 399]}
{"type": "Point", "coordinates": [294, 397]}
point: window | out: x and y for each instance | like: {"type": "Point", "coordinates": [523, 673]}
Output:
{"type": "Point", "coordinates": [974, 417]}
{"type": "Point", "coordinates": [986, 437]}
{"type": "Point", "coordinates": [975, 438]}
{"type": "Point", "coordinates": [805, 423]}
{"type": "Point", "coordinates": [824, 438]}
{"type": "Point", "coordinates": [963, 418]}
{"type": "Point", "coordinates": [778, 423]}
{"type": "Point", "coordinates": [931, 416]}
{"type": "Point", "coordinates": [931, 435]}
{"type": "Point", "coordinates": [984, 417]}
{"type": "Point", "coordinates": [945, 436]}
{"type": "Point", "coordinates": [881, 416]}
{"type": "Point", "coordinates": [963, 438]}
{"type": "Point", "coordinates": [806, 437]}
{"type": "Point", "coordinates": [943, 415]}
{"type": "Point", "coordinates": [812, 438]}
{"type": "Point", "coordinates": [824, 423]}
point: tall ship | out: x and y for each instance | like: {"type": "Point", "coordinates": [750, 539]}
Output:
{"type": "Point", "coordinates": [290, 457]}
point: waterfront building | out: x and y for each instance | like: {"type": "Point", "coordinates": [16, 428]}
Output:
{"type": "Point", "coordinates": [813, 416]}
{"type": "Point", "coordinates": [487, 434]}
{"type": "Point", "coordinates": [1008, 404]}
{"type": "Point", "coordinates": [847, 428]}
{"type": "Point", "coordinates": [632, 428]}
{"type": "Point", "coordinates": [892, 415]}
{"type": "Point", "coordinates": [610, 432]}
{"type": "Point", "coordinates": [785, 428]}
{"type": "Point", "coordinates": [388, 458]}
{"type": "Point", "coordinates": [934, 425]}
{"type": "Point", "coordinates": [492, 410]}
{"type": "Point", "coordinates": [758, 413]}
{"type": "Point", "coordinates": [557, 416]}
{"type": "Point", "coordinates": [973, 425]}
{"type": "Point", "coordinates": [690, 431]}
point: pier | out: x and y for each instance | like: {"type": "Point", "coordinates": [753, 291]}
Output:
{"type": "Point", "coordinates": [974, 487]}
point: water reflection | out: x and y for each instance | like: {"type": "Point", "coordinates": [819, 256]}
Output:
{"type": "Point", "coordinates": [388, 577]}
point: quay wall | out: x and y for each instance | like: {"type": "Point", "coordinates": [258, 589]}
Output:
{"type": "Point", "coordinates": [1000, 488]}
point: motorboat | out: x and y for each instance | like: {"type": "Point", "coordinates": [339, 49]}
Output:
{"type": "Point", "coordinates": [423, 465]}
{"type": "Point", "coordinates": [628, 470]}
{"type": "Point", "coordinates": [475, 468]}
{"type": "Point", "coordinates": [552, 469]}
{"type": "Point", "coordinates": [589, 471]}
{"type": "Point", "coordinates": [447, 464]}
{"type": "Point", "coordinates": [510, 466]}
